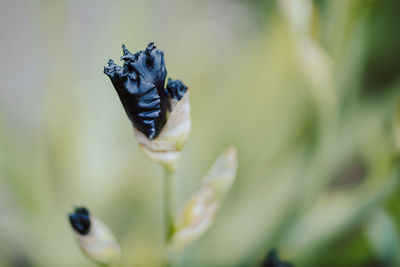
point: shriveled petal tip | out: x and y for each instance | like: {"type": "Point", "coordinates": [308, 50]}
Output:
{"type": "Point", "coordinates": [176, 89]}
{"type": "Point", "coordinates": [80, 220]}
{"type": "Point", "coordinates": [112, 69]}
{"type": "Point", "coordinates": [126, 53]}
{"type": "Point", "coordinates": [199, 212]}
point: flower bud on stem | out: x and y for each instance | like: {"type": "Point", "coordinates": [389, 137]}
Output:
{"type": "Point", "coordinates": [94, 237]}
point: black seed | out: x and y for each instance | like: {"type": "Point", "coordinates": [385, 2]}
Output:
{"type": "Point", "coordinates": [80, 220]}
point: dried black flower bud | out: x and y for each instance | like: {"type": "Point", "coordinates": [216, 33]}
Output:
{"type": "Point", "coordinates": [140, 86]}
{"type": "Point", "coordinates": [272, 260]}
{"type": "Point", "coordinates": [80, 220]}
{"type": "Point", "coordinates": [176, 89]}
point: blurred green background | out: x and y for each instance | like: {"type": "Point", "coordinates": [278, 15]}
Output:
{"type": "Point", "coordinates": [306, 90]}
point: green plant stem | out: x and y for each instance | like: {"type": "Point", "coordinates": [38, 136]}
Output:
{"type": "Point", "coordinates": [169, 203]}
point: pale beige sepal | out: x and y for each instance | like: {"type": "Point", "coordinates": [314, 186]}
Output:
{"type": "Point", "coordinates": [165, 149]}
{"type": "Point", "coordinates": [199, 212]}
{"type": "Point", "coordinates": [99, 244]}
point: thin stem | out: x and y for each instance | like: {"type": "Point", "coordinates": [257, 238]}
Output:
{"type": "Point", "coordinates": [169, 203]}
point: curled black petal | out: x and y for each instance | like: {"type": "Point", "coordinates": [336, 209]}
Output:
{"type": "Point", "coordinates": [140, 86]}
{"type": "Point", "coordinates": [176, 89]}
{"type": "Point", "coordinates": [80, 220]}
{"type": "Point", "coordinates": [272, 260]}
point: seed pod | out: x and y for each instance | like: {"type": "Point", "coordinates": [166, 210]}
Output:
{"type": "Point", "coordinates": [94, 237]}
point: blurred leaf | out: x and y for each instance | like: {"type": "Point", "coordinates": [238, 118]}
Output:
{"type": "Point", "coordinates": [384, 238]}
{"type": "Point", "coordinates": [332, 215]}
{"type": "Point", "coordinates": [397, 129]}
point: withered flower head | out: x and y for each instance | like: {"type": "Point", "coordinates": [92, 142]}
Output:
{"type": "Point", "coordinates": [140, 86]}
{"type": "Point", "coordinates": [160, 116]}
{"type": "Point", "coordinates": [80, 220]}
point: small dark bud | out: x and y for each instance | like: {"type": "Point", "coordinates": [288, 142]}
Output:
{"type": "Point", "coordinates": [140, 86]}
{"type": "Point", "coordinates": [80, 220]}
{"type": "Point", "coordinates": [176, 89]}
{"type": "Point", "coordinates": [272, 260]}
